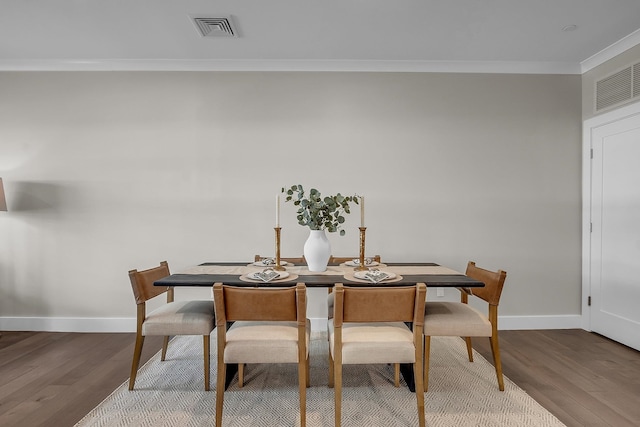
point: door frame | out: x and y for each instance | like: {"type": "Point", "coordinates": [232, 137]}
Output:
{"type": "Point", "coordinates": [587, 131]}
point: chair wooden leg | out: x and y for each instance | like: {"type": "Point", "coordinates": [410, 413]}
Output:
{"type": "Point", "coordinates": [302, 390]}
{"type": "Point", "coordinates": [495, 349]}
{"type": "Point", "coordinates": [137, 352]}
{"type": "Point", "coordinates": [331, 373]}
{"type": "Point", "coordinates": [425, 357]}
{"type": "Point", "coordinates": [240, 375]}
{"type": "Point", "coordinates": [221, 377]}
{"type": "Point", "coordinates": [337, 391]}
{"type": "Point", "coordinates": [165, 346]}
{"type": "Point", "coordinates": [417, 367]}
{"type": "Point", "coordinates": [222, 373]}
{"type": "Point", "coordinates": [469, 348]}
{"type": "Point", "coordinates": [207, 362]}
{"type": "Point", "coordinates": [307, 371]}
{"type": "Point", "coordinates": [396, 374]}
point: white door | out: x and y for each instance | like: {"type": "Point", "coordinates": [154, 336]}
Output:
{"type": "Point", "coordinates": [615, 237]}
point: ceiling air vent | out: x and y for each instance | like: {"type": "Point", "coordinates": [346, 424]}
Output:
{"type": "Point", "coordinates": [215, 27]}
{"type": "Point", "coordinates": [618, 88]}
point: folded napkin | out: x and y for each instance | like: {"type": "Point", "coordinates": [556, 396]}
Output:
{"type": "Point", "coordinates": [268, 261]}
{"type": "Point", "coordinates": [376, 276]}
{"type": "Point", "coordinates": [367, 261]}
{"type": "Point", "coordinates": [266, 275]}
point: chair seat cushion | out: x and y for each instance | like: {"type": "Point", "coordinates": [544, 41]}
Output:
{"type": "Point", "coordinates": [263, 342]}
{"type": "Point", "coordinates": [181, 318]}
{"type": "Point", "coordinates": [454, 319]}
{"type": "Point", "coordinates": [383, 342]}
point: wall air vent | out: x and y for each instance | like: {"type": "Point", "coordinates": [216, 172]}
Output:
{"type": "Point", "coordinates": [636, 80]}
{"type": "Point", "coordinates": [214, 27]}
{"type": "Point", "coordinates": [618, 88]}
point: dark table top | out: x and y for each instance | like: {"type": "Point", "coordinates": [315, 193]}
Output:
{"type": "Point", "coordinates": [322, 280]}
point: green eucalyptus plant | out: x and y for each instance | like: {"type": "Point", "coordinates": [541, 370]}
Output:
{"type": "Point", "coordinates": [317, 212]}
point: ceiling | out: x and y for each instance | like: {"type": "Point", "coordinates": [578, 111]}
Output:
{"type": "Point", "coordinates": [529, 36]}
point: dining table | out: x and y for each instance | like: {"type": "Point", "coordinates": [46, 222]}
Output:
{"type": "Point", "coordinates": [247, 274]}
{"type": "Point", "coordinates": [237, 274]}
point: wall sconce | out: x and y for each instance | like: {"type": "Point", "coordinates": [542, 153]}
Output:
{"type": "Point", "coordinates": [3, 201]}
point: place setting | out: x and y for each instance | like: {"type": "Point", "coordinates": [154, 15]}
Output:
{"type": "Point", "coordinates": [268, 275]}
{"type": "Point", "coordinates": [373, 275]}
{"type": "Point", "coordinates": [368, 262]}
{"type": "Point", "coordinates": [268, 262]}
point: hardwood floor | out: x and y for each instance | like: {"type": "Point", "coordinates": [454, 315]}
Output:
{"type": "Point", "coordinates": [54, 379]}
{"type": "Point", "coordinates": [582, 378]}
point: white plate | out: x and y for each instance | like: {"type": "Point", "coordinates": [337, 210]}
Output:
{"type": "Point", "coordinates": [254, 276]}
{"type": "Point", "coordinates": [356, 263]}
{"type": "Point", "coordinates": [262, 264]}
{"type": "Point", "coordinates": [363, 276]}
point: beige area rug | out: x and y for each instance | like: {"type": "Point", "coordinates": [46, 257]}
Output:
{"type": "Point", "coordinates": [460, 393]}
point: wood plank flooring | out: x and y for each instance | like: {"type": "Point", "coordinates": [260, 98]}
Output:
{"type": "Point", "coordinates": [582, 378]}
{"type": "Point", "coordinates": [54, 379]}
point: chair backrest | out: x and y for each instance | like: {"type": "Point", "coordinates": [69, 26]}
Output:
{"type": "Point", "coordinates": [493, 283]}
{"type": "Point", "coordinates": [259, 304]}
{"type": "Point", "coordinates": [292, 260]}
{"type": "Point", "coordinates": [379, 304]}
{"type": "Point", "coordinates": [341, 259]}
{"type": "Point", "coordinates": [142, 282]}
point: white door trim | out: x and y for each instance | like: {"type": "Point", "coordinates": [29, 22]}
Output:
{"type": "Point", "coordinates": [587, 130]}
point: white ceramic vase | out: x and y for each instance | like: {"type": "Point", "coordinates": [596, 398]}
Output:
{"type": "Point", "coordinates": [317, 250]}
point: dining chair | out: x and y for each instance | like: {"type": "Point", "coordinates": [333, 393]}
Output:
{"type": "Point", "coordinates": [293, 260]}
{"type": "Point", "coordinates": [369, 326]}
{"type": "Point", "coordinates": [332, 259]}
{"type": "Point", "coordinates": [341, 259]}
{"type": "Point", "coordinates": [261, 325]}
{"type": "Point", "coordinates": [461, 320]}
{"type": "Point", "coordinates": [194, 317]}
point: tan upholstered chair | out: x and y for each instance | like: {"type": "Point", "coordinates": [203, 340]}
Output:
{"type": "Point", "coordinates": [341, 259]}
{"type": "Point", "coordinates": [461, 320]}
{"type": "Point", "coordinates": [332, 259]}
{"type": "Point", "coordinates": [368, 327]}
{"type": "Point", "coordinates": [172, 318]}
{"type": "Point", "coordinates": [269, 326]}
{"type": "Point", "coordinates": [294, 260]}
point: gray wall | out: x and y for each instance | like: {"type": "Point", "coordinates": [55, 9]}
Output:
{"type": "Point", "coordinates": [109, 171]}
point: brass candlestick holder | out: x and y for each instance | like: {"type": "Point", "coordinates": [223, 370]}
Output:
{"type": "Point", "coordinates": [278, 267]}
{"type": "Point", "coordinates": [361, 265]}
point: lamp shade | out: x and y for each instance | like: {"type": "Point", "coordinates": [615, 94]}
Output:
{"type": "Point", "coordinates": [3, 201]}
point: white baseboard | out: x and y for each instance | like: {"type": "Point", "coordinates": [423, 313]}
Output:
{"type": "Point", "coordinates": [68, 324]}
{"type": "Point", "coordinates": [110, 324]}
{"type": "Point", "coordinates": [513, 323]}
{"type": "Point", "coordinates": [507, 323]}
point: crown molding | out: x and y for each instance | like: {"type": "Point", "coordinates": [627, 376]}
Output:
{"type": "Point", "coordinates": [610, 52]}
{"type": "Point", "coordinates": [497, 67]}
